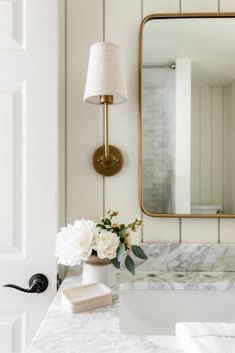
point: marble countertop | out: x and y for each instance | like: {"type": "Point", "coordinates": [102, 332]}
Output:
{"type": "Point", "coordinates": [97, 331]}
{"type": "Point", "coordinates": [169, 280]}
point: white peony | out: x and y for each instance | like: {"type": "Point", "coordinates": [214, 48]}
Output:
{"type": "Point", "coordinates": [74, 242]}
{"type": "Point", "coordinates": [106, 244]}
{"type": "Point", "coordinates": [132, 238]}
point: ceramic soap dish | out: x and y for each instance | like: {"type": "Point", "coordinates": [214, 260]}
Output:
{"type": "Point", "coordinates": [86, 297]}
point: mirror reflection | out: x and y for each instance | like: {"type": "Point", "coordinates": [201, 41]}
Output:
{"type": "Point", "coordinates": [188, 116]}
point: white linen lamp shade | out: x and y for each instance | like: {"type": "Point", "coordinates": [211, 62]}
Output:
{"type": "Point", "coordinates": [105, 85]}
{"type": "Point", "coordinates": [105, 75]}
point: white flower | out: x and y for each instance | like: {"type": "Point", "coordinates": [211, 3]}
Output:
{"type": "Point", "coordinates": [106, 244]}
{"type": "Point", "coordinates": [112, 213]}
{"type": "Point", "coordinates": [74, 242]}
{"type": "Point", "coordinates": [131, 239]}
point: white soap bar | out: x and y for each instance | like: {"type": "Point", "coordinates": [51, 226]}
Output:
{"type": "Point", "coordinates": [86, 297]}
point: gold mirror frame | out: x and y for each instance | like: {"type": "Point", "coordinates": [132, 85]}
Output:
{"type": "Point", "coordinates": [144, 21]}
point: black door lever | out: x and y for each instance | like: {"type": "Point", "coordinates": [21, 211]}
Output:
{"type": "Point", "coordinates": [37, 284]}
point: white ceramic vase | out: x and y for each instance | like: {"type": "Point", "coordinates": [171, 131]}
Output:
{"type": "Point", "coordinates": [97, 270]}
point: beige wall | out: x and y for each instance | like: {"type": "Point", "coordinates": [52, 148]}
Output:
{"type": "Point", "coordinates": [213, 120]}
{"type": "Point", "coordinates": [88, 194]}
{"type": "Point", "coordinates": [208, 138]}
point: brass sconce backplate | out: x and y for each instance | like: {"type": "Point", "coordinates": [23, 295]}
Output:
{"type": "Point", "coordinates": [110, 166]}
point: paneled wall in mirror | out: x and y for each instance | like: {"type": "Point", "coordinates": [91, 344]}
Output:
{"type": "Point", "coordinates": [187, 115]}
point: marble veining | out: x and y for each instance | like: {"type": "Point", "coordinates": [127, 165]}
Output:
{"type": "Point", "coordinates": [188, 257]}
{"type": "Point", "coordinates": [98, 330]}
{"type": "Point", "coordinates": [172, 267]}
{"type": "Point", "coordinates": [165, 280]}
{"type": "Point", "coordinates": [93, 331]}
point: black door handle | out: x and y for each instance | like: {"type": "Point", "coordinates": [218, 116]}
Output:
{"type": "Point", "coordinates": [37, 284]}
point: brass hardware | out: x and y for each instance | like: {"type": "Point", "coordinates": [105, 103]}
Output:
{"type": "Point", "coordinates": [106, 99]}
{"type": "Point", "coordinates": [144, 21]}
{"type": "Point", "coordinates": [110, 166]}
{"type": "Point", "coordinates": [106, 129]}
{"type": "Point", "coordinates": [107, 159]}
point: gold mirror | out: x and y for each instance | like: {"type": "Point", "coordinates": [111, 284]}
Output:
{"type": "Point", "coordinates": [187, 115]}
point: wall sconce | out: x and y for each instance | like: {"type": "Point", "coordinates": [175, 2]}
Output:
{"type": "Point", "coordinates": [105, 85]}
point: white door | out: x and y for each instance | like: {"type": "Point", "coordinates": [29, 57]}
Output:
{"type": "Point", "coordinates": [28, 163]}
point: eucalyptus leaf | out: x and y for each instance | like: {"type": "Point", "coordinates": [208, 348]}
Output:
{"type": "Point", "coordinates": [130, 265]}
{"type": "Point", "coordinates": [138, 252]}
{"type": "Point", "coordinates": [116, 263]}
{"type": "Point", "coordinates": [121, 251]}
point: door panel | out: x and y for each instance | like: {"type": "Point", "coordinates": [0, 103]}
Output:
{"type": "Point", "coordinates": [29, 163]}
{"type": "Point", "coordinates": [11, 331]}
{"type": "Point", "coordinates": [12, 136]}
{"type": "Point", "coordinates": [12, 24]}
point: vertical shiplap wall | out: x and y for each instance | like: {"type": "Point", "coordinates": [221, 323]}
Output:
{"type": "Point", "coordinates": [227, 111]}
{"type": "Point", "coordinates": [84, 121]}
{"type": "Point", "coordinates": [122, 19]}
{"type": "Point", "coordinates": [208, 146]}
{"type": "Point", "coordinates": [87, 192]}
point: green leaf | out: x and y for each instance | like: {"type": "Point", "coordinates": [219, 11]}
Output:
{"type": "Point", "coordinates": [130, 265]}
{"type": "Point", "coordinates": [137, 251]}
{"type": "Point", "coordinates": [121, 251]}
{"type": "Point", "coordinates": [107, 222]}
{"type": "Point", "coordinates": [116, 263]}
{"type": "Point", "coordinates": [101, 226]}
{"type": "Point", "coordinates": [122, 227]}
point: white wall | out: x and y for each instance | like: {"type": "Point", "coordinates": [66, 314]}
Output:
{"type": "Point", "coordinates": [87, 192]}
{"type": "Point", "coordinates": [229, 146]}
{"type": "Point", "coordinates": [208, 145]}
{"type": "Point", "coordinates": [183, 137]}
{"type": "Point", "coordinates": [212, 159]}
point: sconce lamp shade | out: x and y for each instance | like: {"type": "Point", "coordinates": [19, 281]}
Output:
{"type": "Point", "coordinates": [105, 76]}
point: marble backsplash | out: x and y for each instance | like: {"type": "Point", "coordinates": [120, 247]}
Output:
{"type": "Point", "coordinates": [187, 257]}
{"type": "Point", "coordinates": [182, 257]}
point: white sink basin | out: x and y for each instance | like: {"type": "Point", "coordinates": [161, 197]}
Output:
{"type": "Point", "coordinates": [153, 305]}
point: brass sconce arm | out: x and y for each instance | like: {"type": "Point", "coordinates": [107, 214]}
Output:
{"type": "Point", "coordinates": [106, 100]}
{"type": "Point", "coordinates": [107, 160]}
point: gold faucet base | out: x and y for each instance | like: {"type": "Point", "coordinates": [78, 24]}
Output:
{"type": "Point", "coordinates": [110, 166]}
